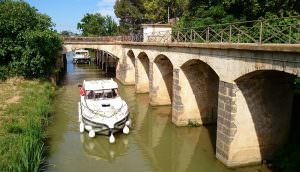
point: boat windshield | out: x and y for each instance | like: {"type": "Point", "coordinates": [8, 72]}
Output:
{"type": "Point", "coordinates": [101, 94]}
{"type": "Point", "coordinates": [83, 53]}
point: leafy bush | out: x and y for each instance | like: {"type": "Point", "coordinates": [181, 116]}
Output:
{"type": "Point", "coordinates": [3, 72]}
{"type": "Point", "coordinates": [29, 45]}
{"type": "Point", "coordinates": [297, 85]}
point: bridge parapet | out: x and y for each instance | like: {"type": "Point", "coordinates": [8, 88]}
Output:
{"type": "Point", "coordinates": [274, 31]}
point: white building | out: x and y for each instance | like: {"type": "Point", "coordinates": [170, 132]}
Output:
{"type": "Point", "coordinates": [157, 32]}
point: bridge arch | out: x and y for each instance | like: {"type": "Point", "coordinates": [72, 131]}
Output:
{"type": "Point", "coordinates": [131, 56]}
{"type": "Point", "coordinates": [142, 73]}
{"type": "Point", "coordinates": [127, 68]}
{"type": "Point", "coordinates": [161, 92]}
{"type": "Point", "coordinates": [105, 58]}
{"type": "Point", "coordinates": [261, 115]}
{"type": "Point", "coordinates": [198, 97]}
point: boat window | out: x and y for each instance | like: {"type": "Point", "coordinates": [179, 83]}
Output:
{"type": "Point", "coordinates": [98, 94]}
{"type": "Point", "coordinates": [90, 94]}
{"type": "Point", "coordinates": [102, 94]}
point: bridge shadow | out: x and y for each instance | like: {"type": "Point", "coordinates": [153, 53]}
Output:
{"type": "Point", "coordinates": [204, 85]}
{"type": "Point", "coordinates": [165, 68]}
{"type": "Point", "coordinates": [269, 98]}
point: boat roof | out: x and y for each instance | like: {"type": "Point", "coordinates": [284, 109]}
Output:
{"type": "Point", "coordinates": [81, 50]}
{"type": "Point", "coordinates": [100, 84]}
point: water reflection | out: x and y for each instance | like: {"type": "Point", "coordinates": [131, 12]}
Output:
{"type": "Point", "coordinates": [101, 149]}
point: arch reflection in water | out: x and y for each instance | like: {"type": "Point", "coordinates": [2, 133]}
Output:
{"type": "Point", "coordinates": [100, 149]}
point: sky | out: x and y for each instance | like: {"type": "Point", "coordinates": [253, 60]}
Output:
{"type": "Point", "coordinates": [67, 13]}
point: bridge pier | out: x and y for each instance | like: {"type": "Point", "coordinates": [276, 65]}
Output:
{"type": "Point", "coordinates": [195, 94]}
{"type": "Point", "coordinates": [97, 56]}
{"type": "Point", "coordinates": [161, 81]}
{"type": "Point", "coordinates": [254, 118]}
{"type": "Point", "coordinates": [102, 60]}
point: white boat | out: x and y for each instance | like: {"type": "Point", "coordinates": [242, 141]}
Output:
{"type": "Point", "coordinates": [102, 110]}
{"type": "Point", "coordinates": [81, 56]}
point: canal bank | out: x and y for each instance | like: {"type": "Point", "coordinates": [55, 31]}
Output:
{"type": "Point", "coordinates": [24, 109]}
{"type": "Point", "coordinates": [154, 144]}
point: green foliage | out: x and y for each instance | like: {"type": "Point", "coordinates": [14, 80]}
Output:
{"type": "Point", "coordinates": [130, 14]}
{"type": "Point", "coordinates": [297, 85]}
{"type": "Point", "coordinates": [29, 46]}
{"type": "Point", "coordinates": [206, 12]}
{"type": "Point", "coordinates": [68, 33]}
{"type": "Point", "coordinates": [22, 143]}
{"type": "Point", "coordinates": [192, 124]}
{"type": "Point", "coordinates": [133, 13]}
{"type": "Point", "coordinates": [97, 25]}
{"type": "Point", "coordinates": [3, 72]}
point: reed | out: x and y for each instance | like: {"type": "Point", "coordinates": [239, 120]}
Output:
{"type": "Point", "coordinates": [22, 133]}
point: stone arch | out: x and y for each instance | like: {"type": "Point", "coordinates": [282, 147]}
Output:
{"type": "Point", "coordinates": [111, 65]}
{"type": "Point", "coordinates": [142, 75]}
{"type": "Point", "coordinates": [199, 93]}
{"type": "Point", "coordinates": [161, 92]}
{"type": "Point", "coordinates": [131, 56]}
{"type": "Point", "coordinates": [106, 60]}
{"type": "Point", "coordinates": [128, 68]}
{"type": "Point", "coordinates": [261, 112]}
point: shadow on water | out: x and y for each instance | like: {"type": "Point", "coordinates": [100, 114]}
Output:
{"type": "Point", "coordinates": [154, 144]}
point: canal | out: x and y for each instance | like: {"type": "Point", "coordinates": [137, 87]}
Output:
{"type": "Point", "coordinates": [154, 143]}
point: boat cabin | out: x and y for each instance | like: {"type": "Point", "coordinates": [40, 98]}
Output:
{"type": "Point", "coordinates": [100, 89]}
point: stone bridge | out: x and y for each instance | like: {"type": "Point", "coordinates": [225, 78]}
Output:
{"type": "Point", "coordinates": [247, 89]}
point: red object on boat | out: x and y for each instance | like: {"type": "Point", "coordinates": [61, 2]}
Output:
{"type": "Point", "coordinates": [82, 91]}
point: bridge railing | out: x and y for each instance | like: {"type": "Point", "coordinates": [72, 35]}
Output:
{"type": "Point", "coordinates": [280, 31]}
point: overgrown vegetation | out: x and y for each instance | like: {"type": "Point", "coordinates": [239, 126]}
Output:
{"type": "Point", "coordinates": [197, 13]}
{"type": "Point", "coordinates": [192, 123]}
{"type": "Point", "coordinates": [297, 85]}
{"type": "Point", "coordinates": [25, 106]}
{"type": "Point", "coordinates": [29, 45]}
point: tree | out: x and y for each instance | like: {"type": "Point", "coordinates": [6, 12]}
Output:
{"type": "Point", "coordinates": [156, 11]}
{"type": "Point", "coordinates": [206, 12]}
{"type": "Point", "coordinates": [29, 45]}
{"type": "Point", "coordinates": [133, 13]}
{"type": "Point", "coordinates": [97, 25]}
{"type": "Point", "coordinates": [68, 33]}
{"type": "Point", "coordinates": [130, 13]}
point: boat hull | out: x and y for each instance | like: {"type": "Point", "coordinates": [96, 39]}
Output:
{"type": "Point", "coordinates": [103, 129]}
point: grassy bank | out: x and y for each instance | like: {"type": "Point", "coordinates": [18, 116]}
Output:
{"type": "Point", "coordinates": [24, 110]}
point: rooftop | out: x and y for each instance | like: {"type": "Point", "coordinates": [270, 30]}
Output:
{"type": "Point", "coordinates": [100, 84]}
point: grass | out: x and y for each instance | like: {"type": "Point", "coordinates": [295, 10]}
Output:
{"type": "Point", "coordinates": [22, 122]}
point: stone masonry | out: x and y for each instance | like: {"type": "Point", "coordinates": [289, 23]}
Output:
{"type": "Point", "coordinates": [177, 105]}
{"type": "Point", "coordinates": [226, 128]}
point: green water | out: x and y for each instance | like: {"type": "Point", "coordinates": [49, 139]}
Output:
{"type": "Point", "coordinates": [154, 143]}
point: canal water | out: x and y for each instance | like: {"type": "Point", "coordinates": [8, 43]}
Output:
{"type": "Point", "coordinates": [154, 143]}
